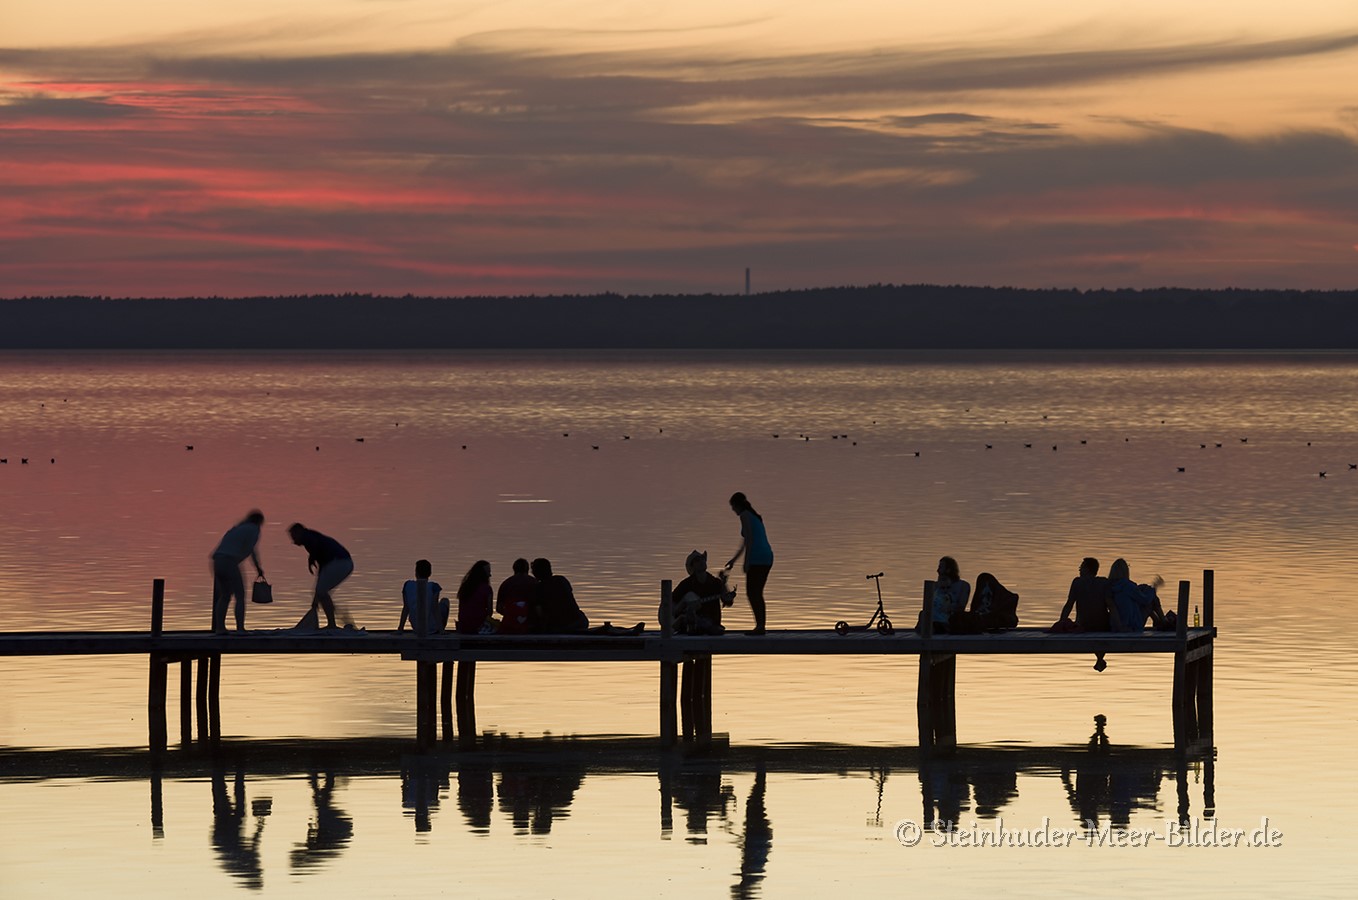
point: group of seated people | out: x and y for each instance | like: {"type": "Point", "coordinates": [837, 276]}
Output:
{"type": "Point", "coordinates": [533, 600]}
{"type": "Point", "coordinates": [994, 607]}
{"type": "Point", "coordinates": [1115, 603]}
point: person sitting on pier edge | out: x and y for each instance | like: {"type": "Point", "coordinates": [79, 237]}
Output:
{"type": "Point", "coordinates": [1092, 599]}
{"type": "Point", "coordinates": [238, 544]}
{"type": "Point", "coordinates": [515, 599]}
{"type": "Point", "coordinates": [950, 594]}
{"type": "Point", "coordinates": [474, 598]}
{"type": "Point", "coordinates": [329, 560]}
{"type": "Point", "coordinates": [754, 546]}
{"type": "Point", "coordinates": [435, 607]}
{"type": "Point", "coordinates": [557, 611]}
{"type": "Point", "coordinates": [698, 599]}
{"type": "Point", "coordinates": [1133, 603]}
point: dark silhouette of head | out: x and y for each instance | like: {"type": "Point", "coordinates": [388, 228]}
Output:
{"type": "Point", "coordinates": [542, 568]}
{"type": "Point", "coordinates": [947, 568]}
{"type": "Point", "coordinates": [297, 531]}
{"type": "Point", "coordinates": [1089, 567]}
{"type": "Point", "coordinates": [1119, 570]}
{"type": "Point", "coordinates": [255, 517]}
{"type": "Point", "coordinates": [520, 566]}
{"type": "Point", "coordinates": [423, 569]}
{"type": "Point", "coordinates": [696, 562]}
{"type": "Point", "coordinates": [479, 573]}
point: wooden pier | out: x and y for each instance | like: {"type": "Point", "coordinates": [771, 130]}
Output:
{"type": "Point", "coordinates": [684, 711]}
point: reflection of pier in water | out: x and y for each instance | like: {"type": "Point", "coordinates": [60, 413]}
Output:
{"type": "Point", "coordinates": [531, 784]}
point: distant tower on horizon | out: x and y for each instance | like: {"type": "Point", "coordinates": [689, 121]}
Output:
{"type": "Point", "coordinates": [747, 281]}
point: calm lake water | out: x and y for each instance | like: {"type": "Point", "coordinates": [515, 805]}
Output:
{"type": "Point", "coordinates": [615, 466]}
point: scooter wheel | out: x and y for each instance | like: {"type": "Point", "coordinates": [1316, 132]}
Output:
{"type": "Point", "coordinates": [841, 628]}
{"type": "Point", "coordinates": [884, 626]}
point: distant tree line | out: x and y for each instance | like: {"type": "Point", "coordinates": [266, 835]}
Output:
{"type": "Point", "coordinates": [871, 317]}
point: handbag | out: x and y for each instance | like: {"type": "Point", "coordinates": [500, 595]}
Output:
{"type": "Point", "coordinates": [261, 591]}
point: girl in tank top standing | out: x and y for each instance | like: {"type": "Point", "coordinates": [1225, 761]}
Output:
{"type": "Point", "coordinates": [754, 546]}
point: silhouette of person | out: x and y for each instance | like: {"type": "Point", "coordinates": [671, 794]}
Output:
{"type": "Point", "coordinates": [702, 794]}
{"type": "Point", "coordinates": [421, 780]}
{"type": "Point", "coordinates": [534, 799]}
{"type": "Point", "coordinates": [698, 599]}
{"type": "Point", "coordinates": [950, 594]}
{"type": "Point", "coordinates": [435, 607]}
{"type": "Point", "coordinates": [755, 841]}
{"type": "Point", "coordinates": [558, 613]}
{"type": "Point", "coordinates": [754, 546]}
{"type": "Point", "coordinates": [474, 598]}
{"type": "Point", "coordinates": [1133, 603]}
{"type": "Point", "coordinates": [239, 854]}
{"type": "Point", "coordinates": [329, 560]}
{"type": "Point", "coordinates": [515, 599]}
{"type": "Point", "coordinates": [238, 544]}
{"type": "Point", "coordinates": [1092, 599]}
{"type": "Point", "coordinates": [328, 833]}
{"type": "Point", "coordinates": [476, 795]}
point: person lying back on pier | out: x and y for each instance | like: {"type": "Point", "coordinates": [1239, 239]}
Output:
{"type": "Point", "coordinates": [1133, 603]}
{"type": "Point", "coordinates": [435, 607]}
{"type": "Point", "coordinates": [698, 599]}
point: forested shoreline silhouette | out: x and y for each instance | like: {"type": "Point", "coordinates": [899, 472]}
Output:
{"type": "Point", "coordinates": [886, 317]}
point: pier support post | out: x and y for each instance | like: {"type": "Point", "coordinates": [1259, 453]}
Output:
{"type": "Point", "coordinates": [186, 701]}
{"type": "Point", "coordinates": [155, 703]}
{"type": "Point", "coordinates": [466, 703]}
{"type": "Point", "coordinates": [156, 689]}
{"type": "Point", "coordinates": [1185, 678]}
{"type": "Point", "coordinates": [446, 700]}
{"type": "Point", "coordinates": [669, 689]}
{"type": "Point", "coordinates": [424, 704]}
{"type": "Point", "coordinates": [1205, 674]}
{"type": "Point", "coordinates": [203, 732]}
{"type": "Point", "coordinates": [214, 697]}
{"type": "Point", "coordinates": [703, 710]}
{"type": "Point", "coordinates": [157, 607]}
{"type": "Point", "coordinates": [688, 682]}
{"type": "Point", "coordinates": [669, 671]}
{"type": "Point", "coordinates": [695, 699]}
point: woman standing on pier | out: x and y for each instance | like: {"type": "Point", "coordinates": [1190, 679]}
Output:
{"type": "Point", "coordinates": [754, 546]}
{"type": "Point", "coordinates": [238, 544]}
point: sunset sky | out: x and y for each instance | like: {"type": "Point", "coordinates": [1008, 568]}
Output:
{"type": "Point", "coordinates": [440, 147]}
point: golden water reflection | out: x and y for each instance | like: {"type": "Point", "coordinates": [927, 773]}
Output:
{"type": "Point", "coordinates": [283, 811]}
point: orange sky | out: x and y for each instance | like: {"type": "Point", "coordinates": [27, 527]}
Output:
{"type": "Point", "coordinates": [541, 147]}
